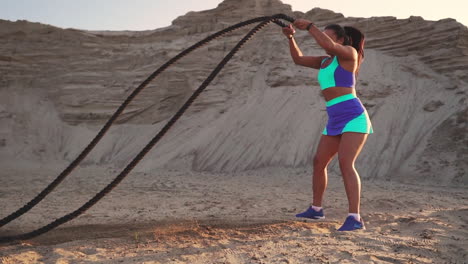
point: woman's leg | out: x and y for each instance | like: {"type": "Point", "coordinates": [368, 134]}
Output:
{"type": "Point", "coordinates": [327, 148]}
{"type": "Point", "coordinates": [350, 146]}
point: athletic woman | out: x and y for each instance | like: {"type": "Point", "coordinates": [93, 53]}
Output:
{"type": "Point", "coordinates": [348, 122]}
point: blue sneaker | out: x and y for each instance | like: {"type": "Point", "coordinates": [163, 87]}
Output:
{"type": "Point", "coordinates": [312, 214]}
{"type": "Point", "coordinates": [351, 224]}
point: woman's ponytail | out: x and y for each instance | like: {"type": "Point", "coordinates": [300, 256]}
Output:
{"type": "Point", "coordinates": [356, 39]}
{"type": "Point", "coordinates": [352, 37]}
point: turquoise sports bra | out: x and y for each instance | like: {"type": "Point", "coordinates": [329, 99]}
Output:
{"type": "Point", "coordinates": [334, 75]}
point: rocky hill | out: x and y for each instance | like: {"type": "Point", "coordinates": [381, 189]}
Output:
{"type": "Point", "coordinates": [58, 86]}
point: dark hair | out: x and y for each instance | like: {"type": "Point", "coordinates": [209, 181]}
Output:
{"type": "Point", "coordinates": [352, 37]}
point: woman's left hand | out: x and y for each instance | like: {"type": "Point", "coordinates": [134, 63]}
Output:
{"type": "Point", "coordinates": [301, 23]}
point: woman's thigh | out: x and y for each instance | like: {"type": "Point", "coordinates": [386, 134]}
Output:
{"type": "Point", "coordinates": [350, 146]}
{"type": "Point", "coordinates": [326, 150]}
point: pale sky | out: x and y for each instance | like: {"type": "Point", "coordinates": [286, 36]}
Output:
{"type": "Point", "coordinates": [152, 14]}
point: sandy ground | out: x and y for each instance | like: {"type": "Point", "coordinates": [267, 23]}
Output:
{"type": "Point", "coordinates": [175, 216]}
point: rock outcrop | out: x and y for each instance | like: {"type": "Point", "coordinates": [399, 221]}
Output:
{"type": "Point", "coordinates": [58, 86]}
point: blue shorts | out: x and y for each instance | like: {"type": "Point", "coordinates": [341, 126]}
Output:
{"type": "Point", "coordinates": [347, 114]}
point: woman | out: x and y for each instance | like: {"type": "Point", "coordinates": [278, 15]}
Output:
{"type": "Point", "coordinates": [348, 122]}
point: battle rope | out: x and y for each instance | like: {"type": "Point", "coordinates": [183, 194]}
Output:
{"type": "Point", "coordinates": [147, 148]}
{"type": "Point", "coordinates": [28, 206]}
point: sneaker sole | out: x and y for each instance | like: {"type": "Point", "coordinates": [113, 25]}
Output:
{"type": "Point", "coordinates": [354, 230]}
{"type": "Point", "coordinates": [306, 219]}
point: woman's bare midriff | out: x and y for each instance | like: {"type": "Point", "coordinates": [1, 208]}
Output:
{"type": "Point", "coordinates": [334, 92]}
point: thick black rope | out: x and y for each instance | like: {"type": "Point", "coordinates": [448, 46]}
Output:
{"type": "Point", "coordinates": [28, 206]}
{"type": "Point", "coordinates": [147, 148]}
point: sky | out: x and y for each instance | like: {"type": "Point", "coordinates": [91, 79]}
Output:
{"type": "Point", "coordinates": [152, 14]}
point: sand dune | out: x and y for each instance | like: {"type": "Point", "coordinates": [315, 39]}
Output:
{"type": "Point", "coordinates": [261, 111]}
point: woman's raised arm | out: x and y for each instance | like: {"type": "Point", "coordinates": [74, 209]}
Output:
{"type": "Point", "coordinates": [296, 53]}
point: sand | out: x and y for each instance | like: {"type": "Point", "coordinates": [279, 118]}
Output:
{"type": "Point", "coordinates": [175, 216]}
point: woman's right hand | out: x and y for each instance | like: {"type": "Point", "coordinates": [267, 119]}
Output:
{"type": "Point", "coordinates": [289, 31]}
